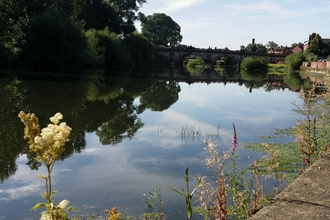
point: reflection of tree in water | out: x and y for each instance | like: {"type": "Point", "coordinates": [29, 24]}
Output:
{"type": "Point", "coordinates": [293, 79]}
{"type": "Point", "coordinates": [122, 123]}
{"type": "Point", "coordinates": [11, 129]}
{"type": "Point", "coordinates": [196, 71]}
{"type": "Point", "coordinates": [161, 95]}
{"type": "Point", "coordinates": [112, 121]}
{"type": "Point", "coordinates": [47, 96]}
{"type": "Point", "coordinates": [226, 72]}
{"type": "Point", "coordinates": [255, 75]}
{"type": "Point", "coordinates": [253, 79]}
{"type": "Point", "coordinates": [87, 104]}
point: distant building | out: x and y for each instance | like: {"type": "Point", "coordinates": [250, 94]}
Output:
{"type": "Point", "coordinates": [280, 50]}
{"type": "Point", "coordinates": [298, 49]}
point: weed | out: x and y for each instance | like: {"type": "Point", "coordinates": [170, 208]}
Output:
{"type": "Point", "coordinates": [186, 193]}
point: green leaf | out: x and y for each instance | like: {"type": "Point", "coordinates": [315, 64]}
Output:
{"type": "Point", "coordinates": [199, 182]}
{"type": "Point", "coordinates": [38, 206]}
{"type": "Point", "coordinates": [178, 192]}
{"type": "Point", "coordinates": [187, 169]}
{"type": "Point", "coordinates": [42, 177]}
{"type": "Point", "coordinates": [44, 195]}
{"type": "Point", "coordinates": [53, 193]}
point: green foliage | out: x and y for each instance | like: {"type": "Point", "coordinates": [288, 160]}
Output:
{"type": "Point", "coordinates": [297, 44]}
{"type": "Point", "coordinates": [161, 30]}
{"type": "Point", "coordinates": [140, 50]}
{"type": "Point", "coordinates": [316, 46]}
{"type": "Point", "coordinates": [310, 57]}
{"type": "Point", "coordinates": [198, 61]}
{"type": "Point", "coordinates": [10, 31]}
{"type": "Point", "coordinates": [254, 63]}
{"type": "Point", "coordinates": [186, 193]}
{"type": "Point", "coordinates": [276, 68]}
{"type": "Point", "coordinates": [42, 34]}
{"type": "Point", "coordinates": [161, 95]}
{"type": "Point", "coordinates": [256, 48]}
{"type": "Point", "coordinates": [95, 52]}
{"type": "Point", "coordinates": [293, 79]}
{"type": "Point", "coordinates": [114, 57]}
{"type": "Point", "coordinates": [271, 45]}
{"type": "Point", "coordinates": [294, 61]}
{"type": "Point", "coordinates": [53, 42]}
{"type": "Point", "coordinates": [226, 60]}
{"type": "Point", "coordinates": [195, 66]}
{"type": "Point", "coordinates": [283, 161]}
{"type": "Point", "coordinates": [99, 14]}
{"type": "Point", "coordinates": [154, 198]}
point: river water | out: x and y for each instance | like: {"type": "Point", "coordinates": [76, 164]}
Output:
{"type": "Point", "coordinates": [130, 135]}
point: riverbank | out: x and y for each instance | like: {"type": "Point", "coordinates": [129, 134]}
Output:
{"type": "Point", "coordinates": [307, 197]}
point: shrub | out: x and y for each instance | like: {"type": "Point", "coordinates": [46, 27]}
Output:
{"type": "Point", "coordinates": [253, 63]}
{"type": "Point", "coordinates": [294, 61]}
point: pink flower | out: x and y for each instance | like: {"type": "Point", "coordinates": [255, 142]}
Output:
{"type": "Point", "coordinates": [234, 140]}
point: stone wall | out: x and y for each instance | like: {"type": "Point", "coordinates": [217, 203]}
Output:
{"type": "Point", "coordinates": [319, 65]}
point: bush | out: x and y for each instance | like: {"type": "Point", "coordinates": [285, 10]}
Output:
{"type": "Point", "coordinates": [254, 63]}
{"type": "Point", "coordinates": [294, 61]}
{"type": "Point", "coordinates": [140, 50]}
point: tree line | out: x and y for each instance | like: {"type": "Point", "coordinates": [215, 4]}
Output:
{"type": "Point", "coordinates": [81, 34]}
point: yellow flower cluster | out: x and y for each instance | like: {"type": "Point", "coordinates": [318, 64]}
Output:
{"type": "Point", "coordinates": [49, 143]}
{"type": "Point", "coordinates": [114, 214]}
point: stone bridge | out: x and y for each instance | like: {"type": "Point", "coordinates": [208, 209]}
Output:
{"type": "Point", "coordinates": [176, 56]}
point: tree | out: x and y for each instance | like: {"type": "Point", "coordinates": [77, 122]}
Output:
{"type": "Point", "coordinates": [161, 30]}
{"type": "Point", "coordinates": [294, 61]}
{"type": "Point", "coordinates": [10, 31]}
{"type": "Point", "coordinates": [271, 45]}
{"type": "Point", "coordinates": [140, 50]}
{"type": "Point", "coordinates": [253, 48]}
{"type": "Point", "coordinates": [297, 44]}
{"type": "Point", "coordinates": [118, 15]}
{"type": "Point", "coordinates": [318, 47]}
{"type": "Point", "coordinates": [99, 14]}
{"type": "Point", "coordinates": [53, 41]}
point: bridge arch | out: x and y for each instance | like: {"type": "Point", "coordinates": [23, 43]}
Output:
{"type": "Point", "coordinates": [175, 55]}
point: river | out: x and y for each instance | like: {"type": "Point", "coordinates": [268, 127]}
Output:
{"type": "Point", "coordinates": [131, 134]}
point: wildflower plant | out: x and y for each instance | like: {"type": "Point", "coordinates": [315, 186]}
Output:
{"type": "Point", "coordinates": [186, 193]}
{"type": "Point", "coordinates": [48, 144]}
{"type": "Point", "coordinates": [153, 198]}
{"type": "Point", "coordinates": [233, 195]}
{"type": "Point", "coordinates": [312, 132]}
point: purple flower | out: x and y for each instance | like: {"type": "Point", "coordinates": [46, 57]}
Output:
{"type": "Point", "coordinates": [234, 140]}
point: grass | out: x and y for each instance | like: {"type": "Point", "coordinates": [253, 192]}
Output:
{"type": "Point", "coordinates": [278, 69]}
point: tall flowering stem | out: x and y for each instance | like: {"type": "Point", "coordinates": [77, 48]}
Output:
{"type": "Point", "coordinates": [48, 144]}
{"type": "Point", "coordinates": [234, 140]}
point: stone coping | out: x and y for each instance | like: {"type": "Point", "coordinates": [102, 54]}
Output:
{"type": "Point", "coordinates": [307, 197]}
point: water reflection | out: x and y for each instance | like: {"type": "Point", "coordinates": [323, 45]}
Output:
{"type": "Point", "coordinates": [102, 105]}
{"type": "Point", "coordinates": [112, 110]}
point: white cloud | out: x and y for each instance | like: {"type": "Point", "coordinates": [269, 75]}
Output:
{"type": "Point", "coordinates": [195, 99]}
{"type": "Point", "coordinates": [170, 6]}
{"type": "Point", "coordinates": [20, 192]}
{"type": "Point", "coordinates": [271, 10]}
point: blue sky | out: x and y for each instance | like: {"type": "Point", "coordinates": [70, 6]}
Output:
{"type": "Point", "coordinates": [232, 23]}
